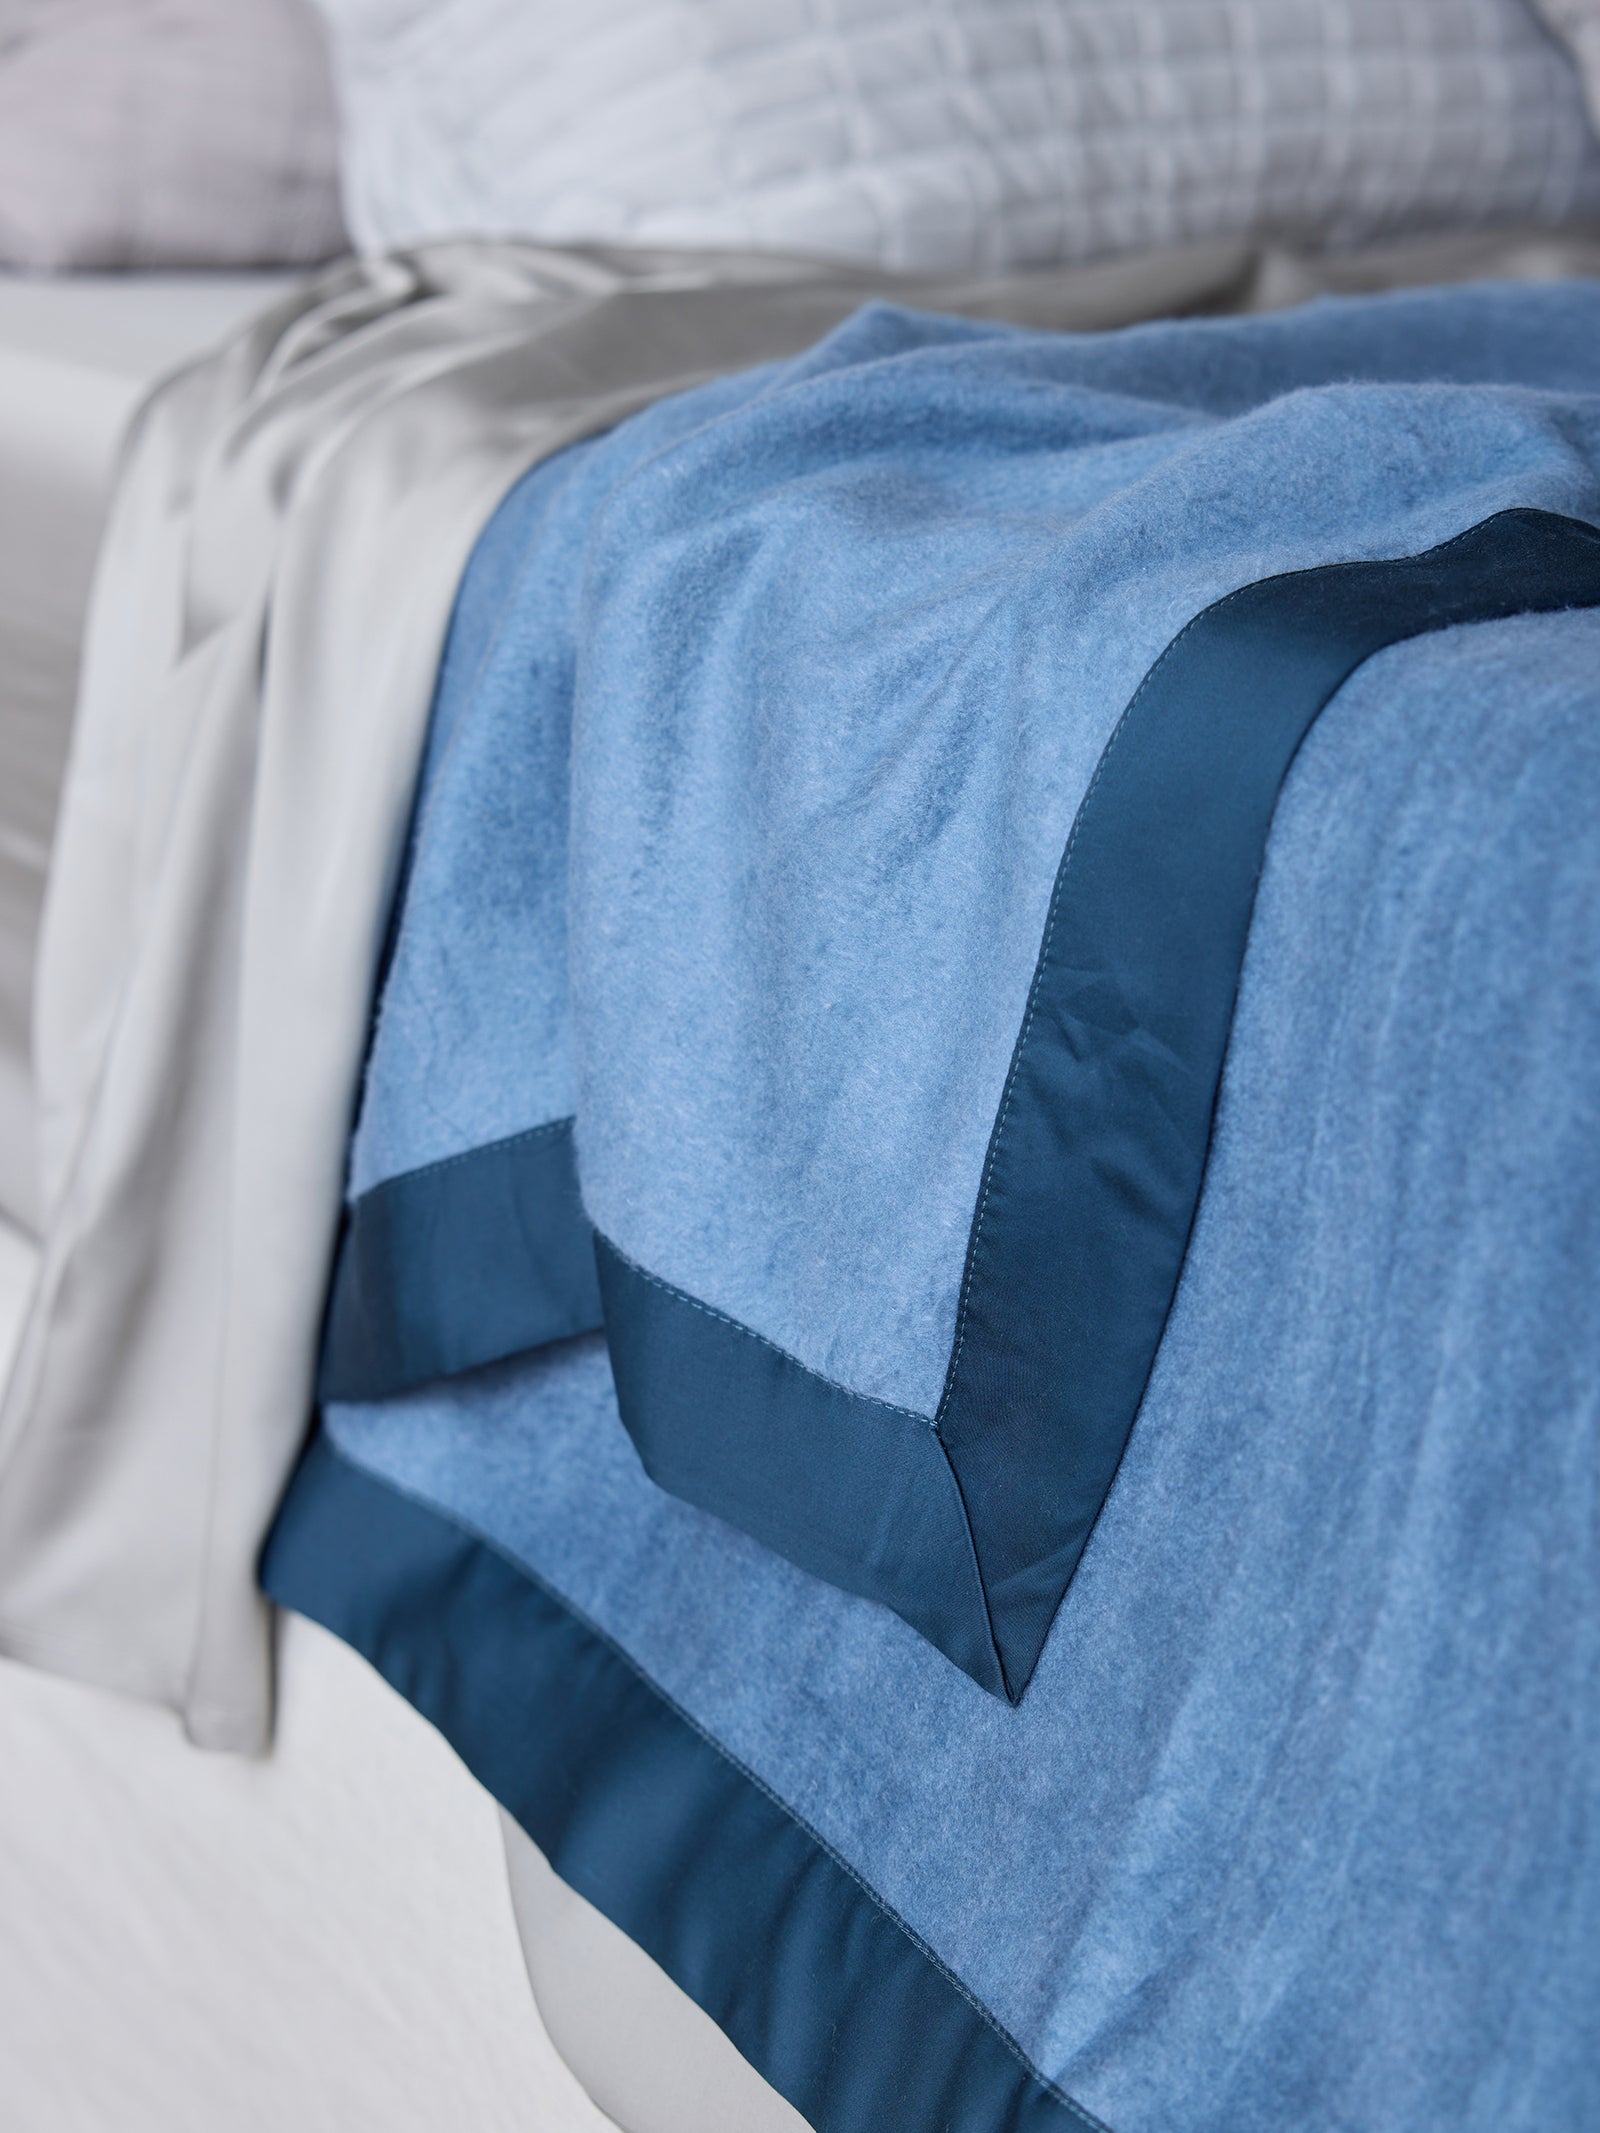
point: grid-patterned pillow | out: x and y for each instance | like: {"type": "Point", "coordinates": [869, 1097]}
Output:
{"type": "Point", "coordinates": [954, 134]}
{"type": "Point", "coordinates": [165, 133]}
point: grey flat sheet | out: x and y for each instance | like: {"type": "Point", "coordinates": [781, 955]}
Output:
{"type": "Point", "coordinates": [76, 358]}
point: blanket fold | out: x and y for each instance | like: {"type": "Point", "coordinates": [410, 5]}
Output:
{"type": "Point", "coordinates": [1027, 861]}
{"type": "Point", "coordinates": [276, 582]}
{"type": "Point", "coordinates": [798, 693]}
{"type": "Point", "coordinates": [273, 592]}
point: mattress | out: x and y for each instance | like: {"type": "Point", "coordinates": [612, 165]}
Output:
{"type": "Point", "coordinates": [76, 358]}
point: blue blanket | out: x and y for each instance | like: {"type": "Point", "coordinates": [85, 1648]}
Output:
{"type": "Point", "coordinates": [1068, 1584]}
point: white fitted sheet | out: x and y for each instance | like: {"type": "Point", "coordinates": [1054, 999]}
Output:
{"type": "Point", "coordinates": [76, 358]}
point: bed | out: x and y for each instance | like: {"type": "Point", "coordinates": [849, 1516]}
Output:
{"type": "Point", "coordinates": [327, 525]}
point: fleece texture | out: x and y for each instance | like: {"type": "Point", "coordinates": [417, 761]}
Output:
{"type": "Point", "coordinates": [1299, 1822]}
{"type": "Point", "coordinates": [489, 841]}
{"type": "Point", "coordinates": [816, 666]}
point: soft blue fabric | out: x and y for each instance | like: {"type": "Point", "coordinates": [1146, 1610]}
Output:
{"type": "Point", "coordinates": [1299, 1823]}
{"type": "Point", "coordinates": [811, 863]}
{"type": "Point", "coordinates": [473, 1038]}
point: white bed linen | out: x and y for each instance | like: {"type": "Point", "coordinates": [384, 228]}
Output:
{"type": "Point", "coordinates": [76, 358]}
{"type": "Point", "coordinates": [320, 1940]}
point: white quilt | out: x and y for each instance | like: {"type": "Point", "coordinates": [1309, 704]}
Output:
{"type": "Point", "coordinates": [954, 135]}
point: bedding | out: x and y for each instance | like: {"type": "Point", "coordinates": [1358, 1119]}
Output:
{"type": "Point", "coordinates": [165, 133]}
{"type": "Point", "coordinates": [1270, 1798]}
{"type": "Point", "coordinates": [360, 401]}
{"type": "Point", "coordinates": [276, 581]}
{"type": "Point", "coordinates": [75, 361]}
{"type": "Point", "coordinates": [779, 1231]}
{"type": "Point", "coordinates": [387, 407]}
{"type": "Point", "coordinates": [972, 135]}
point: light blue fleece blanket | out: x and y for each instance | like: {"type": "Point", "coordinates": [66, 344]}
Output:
{"type": "Point", "coordinates": [761, 731]}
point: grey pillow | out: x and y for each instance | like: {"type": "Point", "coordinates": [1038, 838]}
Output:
{"type": "Point", "coordinates": [165, 133]}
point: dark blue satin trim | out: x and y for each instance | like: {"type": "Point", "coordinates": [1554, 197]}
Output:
{"type": "Point", "coordinates": [1095, 1163]}
{"type": "Point", "coordinates": [461, 1263]}
{"type": "Point", "coordinates": [853, 1490]}
{"type": "Point", "coordinates": [826, 1993]}
{"type": "Point", "coordinates": [1093, 1171]}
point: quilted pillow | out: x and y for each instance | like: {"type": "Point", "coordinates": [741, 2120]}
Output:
{"type": "Point", "coordinates": [929, 135]}
{"type": "Point", "coordinates": [1578, 21]}
{"type": "Point", "coordinates": [165, 133]}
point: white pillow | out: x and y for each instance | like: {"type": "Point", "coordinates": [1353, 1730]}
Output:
{"type": "Point", "coordinates": [929, 135]}
{"type": "Point", "coordinates": [1578, 21]}
{"type": "Point", "coordinates": [165, 133]}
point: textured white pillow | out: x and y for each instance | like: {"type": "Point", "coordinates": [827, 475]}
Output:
{"type": "Point", "coordinates": [1578, 21]}
{"type": "Point", "coordinates": [165, 133]}
{"type": "Point", "coordinates": [953, 134]}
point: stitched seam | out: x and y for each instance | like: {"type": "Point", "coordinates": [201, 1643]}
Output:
{"type": "Point", "coordinates": [996, 1138]}
{"type": "Point", "coordinates": [1040, 967]}
{"type": "Point", "coordinates": [467, 1155]}
{"type": "Point", "coordinates": [682, 1296]}
{"type": "Point", "coordinates": [664, 1696]}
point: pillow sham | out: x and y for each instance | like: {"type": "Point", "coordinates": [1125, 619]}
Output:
{"type": "Point", "coordinates": [165, 133]}
{"type": "Point", "coordinates": [954, 135]}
